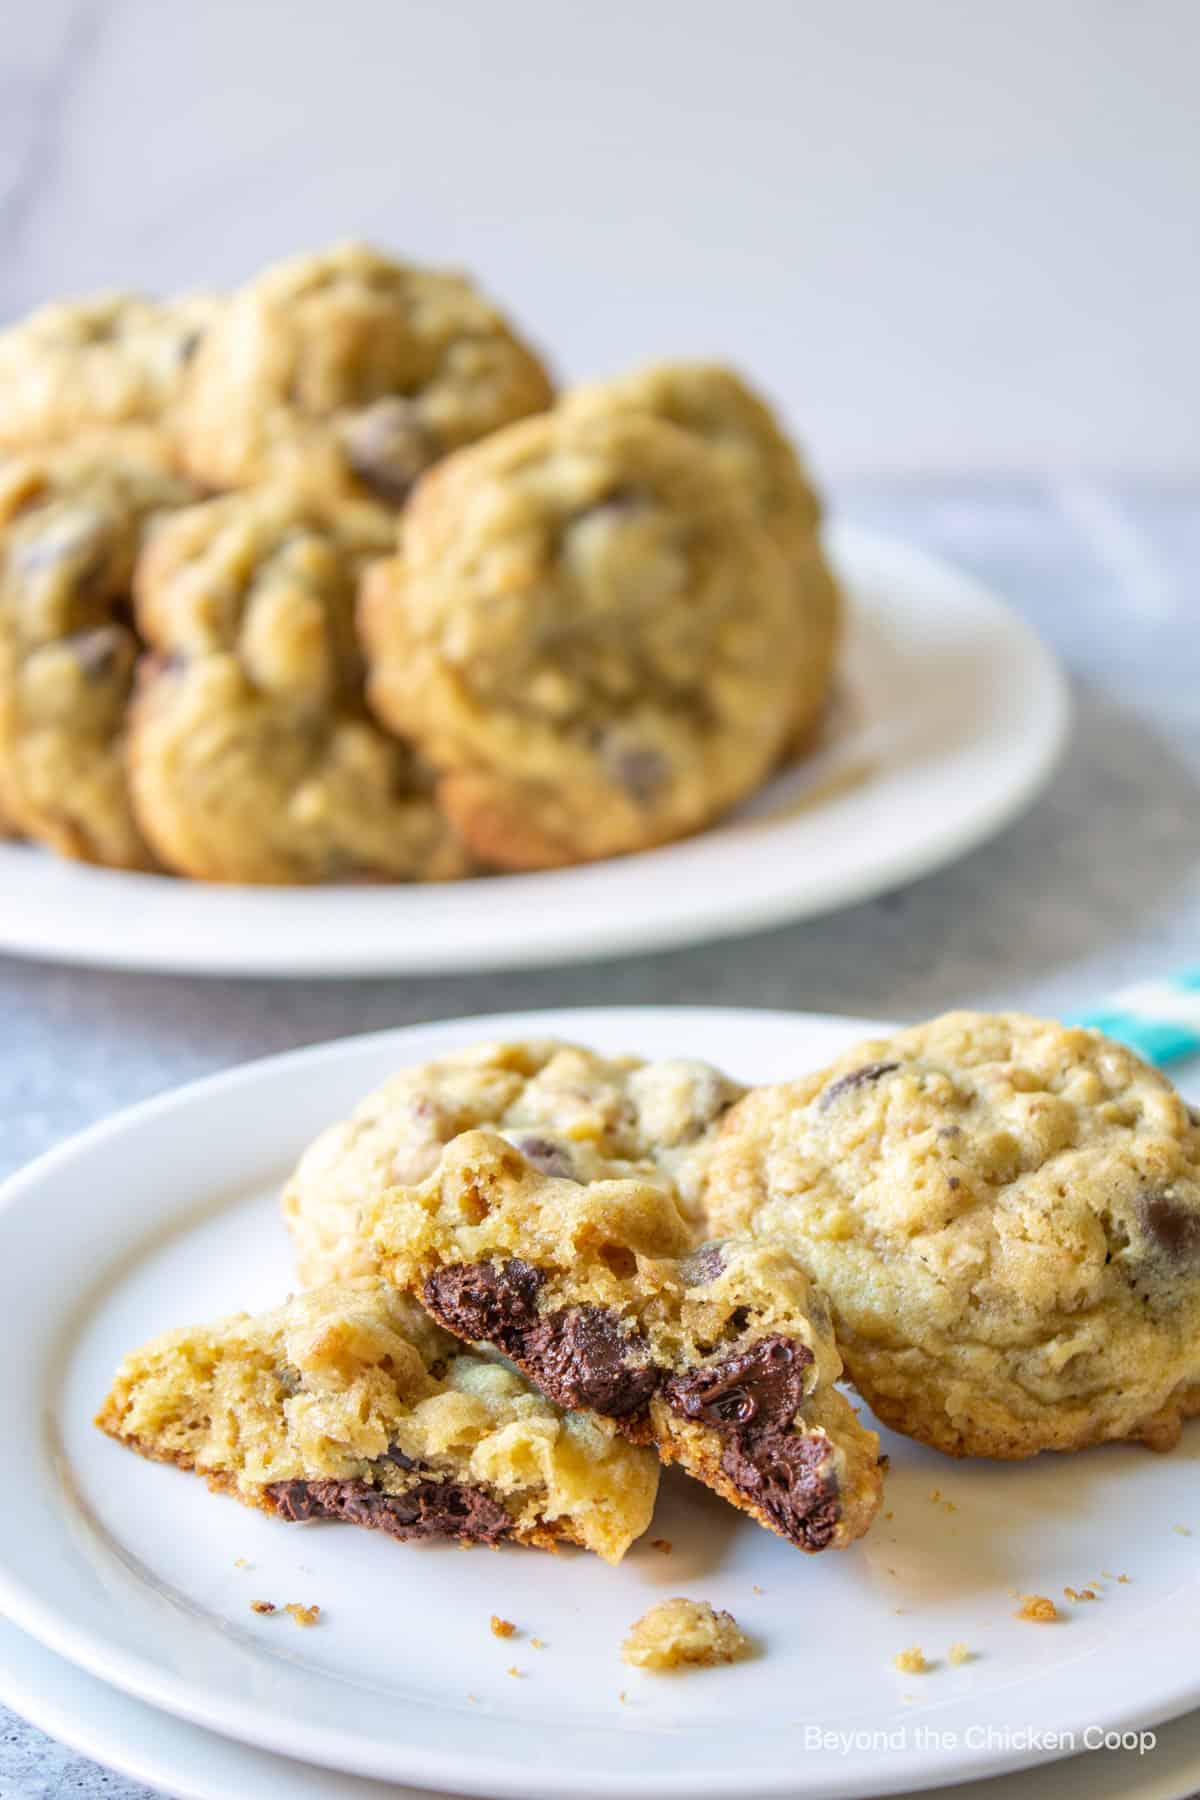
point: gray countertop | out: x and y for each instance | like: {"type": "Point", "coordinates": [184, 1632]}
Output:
{"type": "Point", "coordinates": [1097, 886]}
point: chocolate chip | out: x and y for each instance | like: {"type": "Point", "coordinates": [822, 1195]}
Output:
{"type": "Point", "coordinates": [388, 445]}
{"type": "Point", "coordinates": [431, 1509]}
{"type": "Point", "coordinates": [496, 1302]}
{"type": "Point", "coordinates": [856, 1078]}
{"type": "Point", "coordinates": [640, 770]}
{"type": "Point", "coordinates": [581, 1357]}
{"type": "Point", "coordinates": [789, 1478]}
{"type": "Point", "coordinates": [702, 1266]}
{"type": "Point", "coordinates": [760, 1387]}
{"type": "Point", "coordinates": [289, 1379]}
{"type": "Point", "coordinates": [551, 1158]}
{"type": "Point", "coordinates": [1172, 1228]}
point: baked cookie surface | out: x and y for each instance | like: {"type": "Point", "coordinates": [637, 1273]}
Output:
{"type": "Point", "coordinates": [348, 1403]}
{"type": "Point", "coordinates": [82, 365]}
{"type": "Point", "coordinates": [252, 757]}
{"type": "Point", "coordinates": [72, 523]}
{"type": "Point", "coordinates": [1005, 1216]}
{"type": "Point", "coordinates": [352, 372]}
{"type": "Point", "coordinates": [589, 636]}
{"type": "Point", "coordinates": [721, 1355]}
{"type": "Point", "coordinates": [735, 423]}
{"type": "Point", "coordinates": [568, 1109]}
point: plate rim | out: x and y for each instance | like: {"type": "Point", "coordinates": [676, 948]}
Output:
{"type": "Point", "coordinates": [507, 1774]}
{"type": "Point", "coordinates": [617, 930]}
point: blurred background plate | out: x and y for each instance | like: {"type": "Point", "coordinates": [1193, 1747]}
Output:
{"type": "Point", "coordinates": [950, 719]}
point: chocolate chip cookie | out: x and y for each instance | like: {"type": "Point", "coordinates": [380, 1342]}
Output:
{"type": "Point", "coordinates": [714, 404]}
{"type": "Point", "coordinates": [349, 1404]}
{"type": "Point", "coordinates": [72, 523]}
{"type": "Point", "coordinates": [352, 372]}
{"type": "Point", "coordinates": [721, 1355]}
{"type": "Point", "coordinates": [571, 1112]}
{"type": "Point", "coordinates": [81, 365]}
{"type": "Point", "coordinates": [588, 634]}
{"type": "Point", "coordinates": [251, 754]}
{"type": "Point", "coordinates": [1005, 1215]}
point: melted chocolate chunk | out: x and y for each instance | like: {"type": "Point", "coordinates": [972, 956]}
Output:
{"type": "Point", "coordinates": [1173, 1229]}
{"type": "Point", "coordinates": [761, 1388]}
{"type": "Point", "coordinates": [388, 445]}
{"type": "Point", "coordinates": [581, 1357]}
{"type": "Point", "coordinates": [431, 1509]}
{"type": "Point", "coordinates": [551, 1158]}
{"type": "Point", "coordinates": [493, 1301]}
{"type": "Point", "coordinates": [855, 1078]}
{"type": "Point", "coordinates": [752, 1399]}
{"type": "Point", "coordinates": [787, 1477]}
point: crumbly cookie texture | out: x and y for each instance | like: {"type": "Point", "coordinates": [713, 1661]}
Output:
{"type": "Point", "coordinates": [588, 634]}
{"type": "Point", "coordinates": [1005, 1215]}
{"type": "Point", "coordinates": [567, 1109]}
{"type": "Point", "coordinates": [251, 754]}
{"type": "Point", "coordinates": [683, 1633]}
{"type": "Point", "coordinates": [349, 1404]}
{"type": "Point", "coordinates": [354, 373]}
{"type": "Point", "coordinates": [72, 522]}
{"type": "Point", "coordinates": [736, 424]}
{"type": "Point", "coordinates": [720, 1355]}
{"type": "Point", "coordinates": [84, 365]}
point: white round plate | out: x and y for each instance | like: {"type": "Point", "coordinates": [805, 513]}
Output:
{"type": "Point", "coordinates": [952, 718]}
{"type": "Point", "coordinates": [140, 1575]}
{"type": "Point", "coordinates": [189, 1763]}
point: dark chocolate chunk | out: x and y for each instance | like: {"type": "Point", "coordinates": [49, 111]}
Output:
{"type": "Point", "coordinates": [760, 1388]}
{"type": "Point", "coordinates": [1172, 1228]}
{"type": "Point", "coordinates": [493, 1301]}
{"type": "Point", "coordinates": [855, 1078]}
{"type": "Point", "coordinates": [388, 445]}
{"type": "Point", "coordinates": [581, 1357]}
{"type": "Point", "coordinates": [786, 1476]}
{"type": "Point", "coordinates": [702, 1266]}
{"type": "Point", "coordinates": [551, 1158]}
{"type": "Point", "coordinates": [641, 770]}
{"type": "Point", "coordinates": [431, 1509]}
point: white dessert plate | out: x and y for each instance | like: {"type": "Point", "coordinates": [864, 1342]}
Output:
{"type": "Point", "coordinates": [951, 719]}
{"type": "Point", "coordinates": [142, 1577]}
{"type": "Point", "coordinates": [189, 1763]}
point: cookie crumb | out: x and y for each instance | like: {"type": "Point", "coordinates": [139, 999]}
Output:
{"type": "Point", "coordinates": [682, 1633]}
{"type": "Point", "coordinates": [885, 1463]}
{"type": "Point", "coordinates": [517, 1674]}
{"type": "Point", "coordinates": [1086, 1593]}
{"type": "Point", "coordinates": [263, 1606]}
{"type": "Point", "coordinates": [303, 1615]}
{"type": "Point", "coordinates": [1123, 1580]}
{"type": "Point", "coordinates": [1038, 1608]}
{"type": "Point", "coordinates": [958, 1654]}
{"type": "Point", "coordinates": [536, 1644]}
{"type": "Point", "coordinates": [889, 1515]}
{"type": "Point", "coordinates": [503, 1628]}
{"type": "Point", "coordinates": [239, 1562]}
{"type": "Point", "coordinates": [663, 1544]}
{"type": "Point", "coordinates": [1183, 1530]}
{"type": "Point", "coordinates": [911, 1661]}
{"type": "Point", "coordinates": [754, 1588]}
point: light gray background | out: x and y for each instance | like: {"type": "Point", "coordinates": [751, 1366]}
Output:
{"type": "Point", "coordinates": [951, 238]}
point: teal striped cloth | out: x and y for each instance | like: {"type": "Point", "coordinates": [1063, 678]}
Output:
{"type": "Point", "coordinates": [1158, 1019]}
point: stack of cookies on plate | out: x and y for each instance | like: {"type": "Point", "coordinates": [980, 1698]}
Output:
{"type": "Point", "coordinates": [318, 582]}
{"type": "Point", "coordinates": [534, 1274]}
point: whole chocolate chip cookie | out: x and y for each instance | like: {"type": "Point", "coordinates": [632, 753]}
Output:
{"type": "Point", "coordinates": [1005, 1215]}
{"type": "Point", "coordinates": [348, 1403]}
{"type": "Point", "coordinates": [570, 1111]}
{"type": "Point", "coordinates": [588, 634]}
{"type": "Point", "coordinates": [352, 372]}
{"type": "Point", "coordinates": [721, 1355]}
{"type": "Point", "coordinates": [72, 523]}
{"type": "Point", "coordinates": [736, 424]}
{"type": "Point", "coordinates": [81, 365]}
{"type": "Point", "coordinates": [251, 755]}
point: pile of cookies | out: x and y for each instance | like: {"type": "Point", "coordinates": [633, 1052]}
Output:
{"type": "Point", "coordinates": [534, 1274]}
{"type": "Point", "coordinates": [318, 581]}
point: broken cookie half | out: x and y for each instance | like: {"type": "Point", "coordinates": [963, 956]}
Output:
{"type": "Point", "coordinates": [350, 1404]}
{"type": "Point", "coordinates": [722, 1356]}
